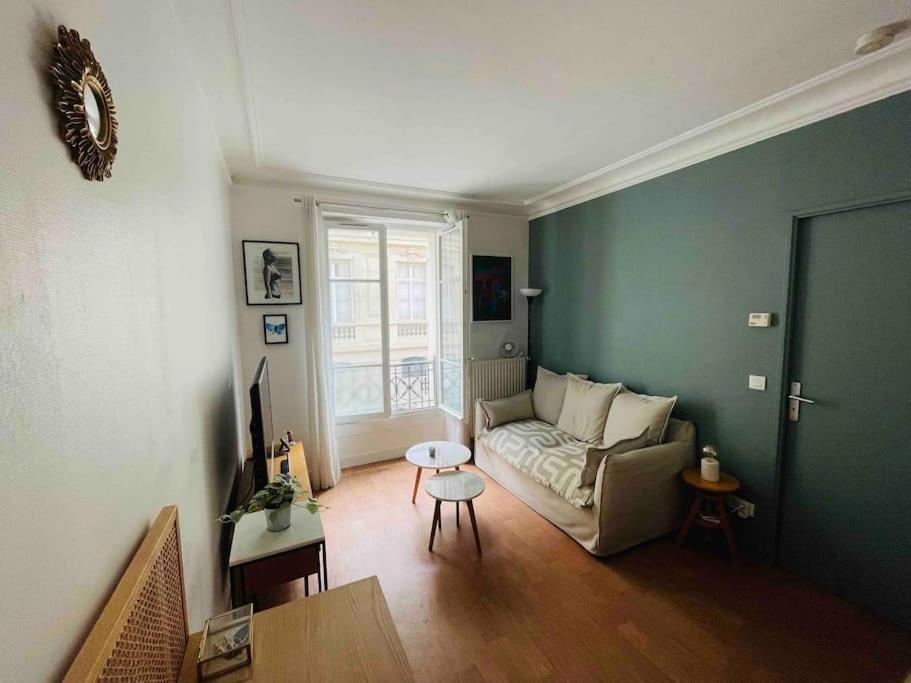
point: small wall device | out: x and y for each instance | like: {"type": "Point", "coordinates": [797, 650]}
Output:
{"type": "Point", "coordinates": [759, 320]}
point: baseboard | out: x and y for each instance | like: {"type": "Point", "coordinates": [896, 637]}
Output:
{"type": "Point", "coordinates": [373, 456]}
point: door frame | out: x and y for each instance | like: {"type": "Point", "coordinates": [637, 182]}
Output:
{"type": "Point", "coordinates": [796, 218]}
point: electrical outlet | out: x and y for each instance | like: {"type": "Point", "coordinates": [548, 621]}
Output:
{"type": "Point", "coordinates": [743, 508]}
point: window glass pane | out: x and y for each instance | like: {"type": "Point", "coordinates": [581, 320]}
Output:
{"type": "Point", "coordinates": [411, 384]}
{"type": "Point", "coordinates": [374, 302]}
{"type": "Point", "coordinates": [357, 348]}
{"type": "Point", "coordinates": [358, 389]}
{"type": "Point", "coordinates": [451, 386]}
{"type": "Point", "coordinates": [412, 342]}
{"type": "Point", "coordinates": [450, 324]}
{"type": "Point", "coordinates": [342, 267]}
{"type": "Point", "coordinates": [373, 267]}
{"type": "Point", "coordinates": [451, 321]}
{"type": "Point", "coordinates": [359, 249]}
{"type": "Point", "coordinates": [341, 302]}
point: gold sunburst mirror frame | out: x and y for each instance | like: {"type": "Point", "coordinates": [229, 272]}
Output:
{"type": "Point", "coordinates": [83, 100]}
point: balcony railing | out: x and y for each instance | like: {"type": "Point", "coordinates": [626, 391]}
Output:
{"type": "Point", "coordinates": [417, 328]}
{"type": "Point", "coordinates": [359, 388]}
{"type": "Point", "coordinates": [411, 385]}
{"type": "Point", "coordinates": [365, 333]}
{"type": "Point", "coordinates": [344, 332]}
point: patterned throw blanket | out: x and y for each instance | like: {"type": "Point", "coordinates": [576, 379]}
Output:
{"type": "Point", "coordinates": [548, 455]}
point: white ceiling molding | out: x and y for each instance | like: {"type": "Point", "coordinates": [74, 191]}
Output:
{"type": "Point", "coordinates": [327, 187]}
{"type": "Point", "coordinates": [852, 85]}
{"type": "Point", "coordinates": [862, 81]}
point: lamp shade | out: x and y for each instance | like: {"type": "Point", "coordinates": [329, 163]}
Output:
{"type": "Point", "coordinates": [530, 292]}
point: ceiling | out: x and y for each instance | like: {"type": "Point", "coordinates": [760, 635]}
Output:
{"type": "Point", "coordinates": [500, 100]}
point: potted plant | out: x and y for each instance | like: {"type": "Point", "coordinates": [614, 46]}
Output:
{"type": "Point", "coordinates": [276, 499]}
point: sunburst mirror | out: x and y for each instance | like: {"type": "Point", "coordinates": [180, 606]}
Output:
{"type": "Point", "coordinates": [85, 105]}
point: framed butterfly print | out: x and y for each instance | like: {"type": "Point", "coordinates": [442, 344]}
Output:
{"type": "Point", "coordinates": [275, 328]}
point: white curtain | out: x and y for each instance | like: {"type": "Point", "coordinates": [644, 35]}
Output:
{"type": "Point", "coordinates": [319, 442]}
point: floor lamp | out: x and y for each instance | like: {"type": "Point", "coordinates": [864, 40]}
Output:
{"type": "Point", "coordinates": [529, 293]}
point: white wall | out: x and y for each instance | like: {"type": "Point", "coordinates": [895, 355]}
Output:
{"type": "Point", "coordinates": [270, 213]}
{"type": "Point", "coordinates": [117, 328]}
{"type": "Point", "coordinates": [497, 235]}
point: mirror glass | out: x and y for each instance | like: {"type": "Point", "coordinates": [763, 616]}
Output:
{"type": "Point", "coordinates": [93, 107]}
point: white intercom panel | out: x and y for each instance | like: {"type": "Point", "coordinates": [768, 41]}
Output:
{"type": "Point", "coordinates": [759, 320]}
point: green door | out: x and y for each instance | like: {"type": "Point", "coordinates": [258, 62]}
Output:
{"type": "Point", "coordinates": [846, 478]}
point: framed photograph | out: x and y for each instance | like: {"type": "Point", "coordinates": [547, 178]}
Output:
{"type": "Point", "coordinates": [272, 273]}
{"type": "Point", "coordinates": [275, 328]}
{"type": "Point", "coordinates": [491, 289]}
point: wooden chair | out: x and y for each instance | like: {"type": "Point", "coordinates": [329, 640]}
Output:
{"type": "Point", "coordinates": [142, 632]}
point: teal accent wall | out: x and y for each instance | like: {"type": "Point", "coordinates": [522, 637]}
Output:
{"type": "Point", "coordinates": [651, 285]}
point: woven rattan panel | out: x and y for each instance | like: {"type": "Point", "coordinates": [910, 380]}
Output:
{"type": "Point", "coordinates": [153, 640]}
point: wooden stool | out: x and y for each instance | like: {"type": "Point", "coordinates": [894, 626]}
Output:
{"type": "Point", "coordinates": [708, 499]}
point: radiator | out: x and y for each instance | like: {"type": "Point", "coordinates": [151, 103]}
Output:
{"type": "Point", "coordinates": [495, 378]}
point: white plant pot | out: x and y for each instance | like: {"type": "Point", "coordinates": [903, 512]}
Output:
{"type": "Point", "coordinates": [278, 520]}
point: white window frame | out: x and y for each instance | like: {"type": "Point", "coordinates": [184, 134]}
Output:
{"type": "Point", "coordinates": [463, 227]}
{"type": "Point", "coordinates": [384, 276]}
{"type": "Point", "coordinates": [384, 321]}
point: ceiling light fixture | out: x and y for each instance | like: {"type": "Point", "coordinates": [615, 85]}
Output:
{"type": "Point", "coordinates": [878, 38]}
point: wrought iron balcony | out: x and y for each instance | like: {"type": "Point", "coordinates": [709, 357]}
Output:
{"type": "Point", "coordinates": [411, 385]}
{"type": "Point", "coordinates": [359, 388]}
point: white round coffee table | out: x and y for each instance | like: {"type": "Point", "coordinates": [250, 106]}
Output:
{"type": "Point", "coordinates": [454, 487]}
{"type": "Point", "coordinates": [448, 454]}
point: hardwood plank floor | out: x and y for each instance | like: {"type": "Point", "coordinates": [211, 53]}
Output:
{"type": "Point", "coordinates": [535, 606]}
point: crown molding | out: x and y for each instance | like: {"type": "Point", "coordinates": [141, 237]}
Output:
{"type": "Point", "coordinates": [849, 86]}
{"type": "Point", "coordinates": [333, 187]}
{"type": "Point", "coordinates": [857, 83]}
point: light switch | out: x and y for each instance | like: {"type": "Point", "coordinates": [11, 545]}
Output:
{"type": "Point", "coordinates": [759, 320]}
{"type": "Point", "coordinates": [757, 382]}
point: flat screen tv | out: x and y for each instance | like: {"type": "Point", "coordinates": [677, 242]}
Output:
{"type": "Point", "coordinates": [261, 424]}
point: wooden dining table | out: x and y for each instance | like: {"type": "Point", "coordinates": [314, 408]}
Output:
{"type": "Point", "coordinates": [342, 634]}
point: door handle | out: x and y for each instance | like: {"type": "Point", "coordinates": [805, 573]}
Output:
{"type": "Point", "coordinates": [800, 398]}
{"type": "Point", "coordinates": [794, 401]}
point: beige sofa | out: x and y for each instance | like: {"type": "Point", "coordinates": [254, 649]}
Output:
{"type": "Point", "coordinates": [636, 496]}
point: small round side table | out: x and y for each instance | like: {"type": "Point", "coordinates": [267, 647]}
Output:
{"type": "Point", "coordinates": [448, 454]}
{"type": "Point", "coordinates": [454, 487]}
{"type": "Point", "coordinates": [708, 509]}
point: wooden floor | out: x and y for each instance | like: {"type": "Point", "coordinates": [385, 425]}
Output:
{"type": "Point", "coordinates": [536, 606]}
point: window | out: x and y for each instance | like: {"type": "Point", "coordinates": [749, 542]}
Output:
{"type": "Point", "coordinates": [374, 300]}
{"type": "Point", "coordinates": [384, 347]}
{"type": "Point", "coordinates": [410, 292]}
{"type": "Point", "coordinates": [357, 347]}
{"type": "Point", "coordinates": [452, 319]}
{"type": "Point", "coordinates": [343, 301]}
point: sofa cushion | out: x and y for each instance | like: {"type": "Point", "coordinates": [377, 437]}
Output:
{"type": "Point", "coordinates": [545, 453]}
{"type": "Point", "coordinates": [547, 398]}
{"type": "Point", "coordinates": [511, 409]}
{"type": "Point", "coordinates": [585, 408]}
{"type": "Point", "coordinates": [630, 413]}
{"type": "Point", "coordinates": [595, 455]}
